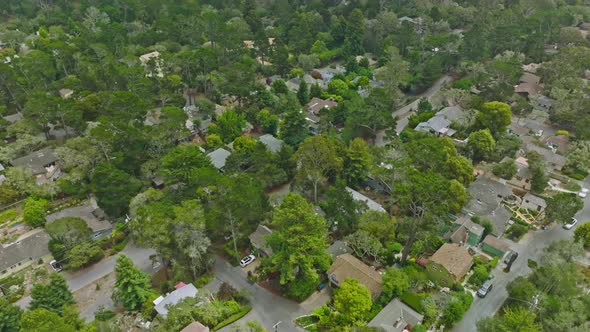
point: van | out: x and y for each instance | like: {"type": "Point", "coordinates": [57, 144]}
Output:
{"type": "Point", "coordinates": [485, 289]}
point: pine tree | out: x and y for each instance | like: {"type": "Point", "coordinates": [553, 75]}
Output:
{"type": "Point", "coordinates": [302, 93]}
{"type": "Point", "coordinates": [132, 287]}
{"type": "Point", "coordinates": [53, 296]}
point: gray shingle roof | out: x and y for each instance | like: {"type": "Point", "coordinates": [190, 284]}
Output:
{"type": "Point", "coordinates": [36, 161]}
{"type": "Point", "coordinates": [218, 157]}
{"type": "Point", "coordinates": [175, 297]}
{"type": "Point", "coordinates": [272, 143]}
{"type": "Point", "coordinates": [30, 248]}
{"type": "Point", "coordinates": [371, 204]}
{"type": "Point", "coordinates": [395, 317]}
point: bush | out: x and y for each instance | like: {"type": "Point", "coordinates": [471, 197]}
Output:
{"type": "Point", "coordinates": [413, 300]}
{"type": "Point", "coordinates": [532, 264]}
{"type": "Point", "coordinates": [103, 314]}
{"type": "Point", "coordinates": [8, 215]}
{"type": "Point", "coordinates": [505, 170]}
{"type": "Point", "coordinates": [243, 312]}
{"type": "Point", "coordinates": [516, 231]}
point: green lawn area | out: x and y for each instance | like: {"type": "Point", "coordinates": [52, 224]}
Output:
{"type": "Point", "coordinates": [413, 300]}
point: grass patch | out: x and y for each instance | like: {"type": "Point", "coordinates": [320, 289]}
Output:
{"type": "Point", "coordinates": [573, 186]}
{"type": "Point", "coordinates": [413, 300]}
{"type": "Point", "coordinates": [245, 310]}
{"type": "Point", "coordinates": [307, 320]}
{"type": "Point", "coordinates": [8, 215]}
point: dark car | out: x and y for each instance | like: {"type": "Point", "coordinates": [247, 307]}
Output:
{"type": "Point", "coordinates": [485, 289]}
{"type": "Point", "coordinates": [56, 266]}
{"type": "Point", "coordinates": [511, 257]}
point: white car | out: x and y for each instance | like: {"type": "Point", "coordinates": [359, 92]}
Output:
{"type": "Point", "coordinates": [583, 193]}
{"type": "Point", "coordinates": [571, 224]}
{"type": "Point", "coordinates": [247, 260]}
{"type": "Point", "coordinates": [55, 266]}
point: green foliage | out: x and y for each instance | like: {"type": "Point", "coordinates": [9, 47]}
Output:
{"type": "Point", "coordinates": [516, 231]}
{"type": "Point", "coordinates": [229, 126]}
{"type": "Point", "coordinates": [113, 188]}
{"type": "Point", "coordinates": [352, 300]}
{"type": "Point", "coordinates": [337, 87]}
{"type": "Point", "coordinates": [506, 169]}
{"type": "Point", "coordinates": [83, 255]}
{"type": "Point", "coordinates": [495, 116]}
{"type": "Point", "coordinates": [456, 308]}
{"type": "Point", "coordinates": [357, 161]}
{"type": "Point", "coordinates": [413, 300]}
{"type": "Point", "coordinates": [537, 167]}
{"type": "Point", "coordinates": [181, 162]}
{"type": "Point", "coordinates": [298, 243]}
{"type": "Point", "coordinates": [8, 215]}
{"type": "Point", "coordinates": [340, 208]}
{"type": "Point", "coordinates": [582, 234]}
{"type": "Point", "coordinates": [415, 119]}
{"type": "Point", "coordinates": [53, 296]}
{"type": "Point", "coordinates": [268, 121]}
{"type": "Point", "coordinates": [42, 319]}
{"type": "Point", "coordinates": [562, 207]}
{"type": "Point", "coordinates": [243, 312]}
{"type": "Point", "coordinates": [395, 283]}
{"type": "Point", "coordinates": [34, 211]}
{"type": "Point", "coordinates": [481, 144]}
{"type": "Point", "coordinates": [132, 286]}
{"type": "Point", "coordinates": [68, 231]}
{"type": "Point", "coordinates": [10, 316]}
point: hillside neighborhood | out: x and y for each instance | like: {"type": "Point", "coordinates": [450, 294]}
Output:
{"type": "Point", "coordinates": [309, 165]}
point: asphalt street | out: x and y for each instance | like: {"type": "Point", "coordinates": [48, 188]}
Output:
{"type": "Point", "coordinates": [530, 247]}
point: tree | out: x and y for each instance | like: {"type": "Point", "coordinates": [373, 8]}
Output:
{"type": "Point", "coordinates": [562, 207]}
{"type": "Point", "coordinates": [506, 169]}
{"type": "Point", "coordinates": [537, 168]}
{"type": "Point", "coordinates": [229, 126]}
{"type": "Point", "coordinates": [395, 283]}
{"type": "Point", "coordinates": [268, 121]}
{"type": "Point", "coordinates": [340, 208]}
{"type": "Point", "coordinates": [352, 301]}
{"type": "Point", "coordinates": [379, 224]}
{"type": "Point", "coordinates": [513, 319]}
{"type": "Point", "coordinates": [298, 243]}
{"type": "Point", "coordinates": [307, 63]}
{"type": "Point", "coordinates": [317, 158]}
{"type": "Point", "coordinates": [302, 92]}
{"type": "Point", "coordinates": [424, 105]}
{"type": "Point", "coordinates": [364, 244]}
{"type": "Point", "coordinates": [355, 30]}
{"type": "Point", "coordinates": [337, 87]}
{"type": "Point", "coordinates": [132, 286]}
{"type": "Point", "coordinates": [357, 161]}
{"type": "Point", "coordinates": [189, 235]}
{"type": "Point", "coordinates": [84, 254]}
{"type": "Point", "coordinates": [294, 127]}
{"type": "Point", "coordinates": [53, 296]}
{"type": "Point", "coordinates": [582, 234]}
{"type": "Point", "coordinates": [44, 320]}
{"type": "Point", "coordinates": [113, 188]}
{"type": "Point", "coordinates": [495, 116]}
{"type": "Point", "coordinates": [34, 211]}
{"type": "Point", "coordinates": [68, 231]}
{"type": "Point", "coordinates": [10, 316]}
{"type": "Point", "coordinates": [579, 156]}
{"type": "Point", "coordinates": [481, 144]}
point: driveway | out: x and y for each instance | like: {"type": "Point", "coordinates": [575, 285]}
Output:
{"type": "Point", "coordinates": [403, 113]}
{"type": "Point", "coordinates": [267, 308]}
{"type": "Point", "coordinates": [79, 279]}
{"type": "Point", "coordinates": [530, 247]}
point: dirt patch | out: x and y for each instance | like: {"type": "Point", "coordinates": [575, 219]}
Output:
{"type": "Point", "coordinates": [88, 295]}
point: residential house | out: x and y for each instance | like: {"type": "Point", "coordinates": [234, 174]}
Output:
{"type": "Point", "coordinates": [532, 202]}
{"type": "Point", "coordinates": [449, 264]}
{"type": "Point", "coordinates": [161, 304]}
{"type": "Point", "coordinates": [66, 93]}
{"type": "Point", "coordinates": [486, 201]}
{"type": "Point", "coordinates": [348, 266]}
{"type": "Point", "coordinates": [440, 123]}
{"type": "Point", "coordinates": [218, 158]}
{"type": "Point", "coordinates": [371, 204]}
{"type": "Point", "coordinates": [523, 177]}
{"type": "Point", "coordinates": [293, 84]}
{"type": "Point", "coordinates": [559, 144]}
{"type": "Point", "coordinates": [465, 231]}
{"type": "Point", "coordinates": [258, 241]}
{"type": "Point", "coordinates": [272, 143]}
{"type": "Point", "coordinates": [396, 316]}
{"type": "Point", "coordinates": [529, 85]}
{"type": "Point", "coordinates": [494, 246]}
{"type": "Point", "coordinates": [12, 118]}
{"type": "Point", "coordinates": [531, 67]}
{"type": "Point", "coordinates": [44, 164]}
{"type": "Point", "coordinates": [313, 111]}
{"type": "Point", "coordinates": [157, 62]}
{"type": "Point", "coordinates": [543, 103]}
{"type": "Point", "coordinates": [94, 217]}
{"type": "Point", "coordinates": [23, 252]}
{"type": "Point", "coordinates": [555, 162]}
{"type": "Point", "coordinates": [338, 248]}
{"type": "Point", "coordinates": [195, 327]}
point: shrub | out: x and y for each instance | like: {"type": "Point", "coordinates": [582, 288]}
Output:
{"type": "Point", "coordinates": [531, 263]}
{"type": "Point", "coordinates": [243, 312]}
{"type": "Point", "coordinates": [8, 215]}
{"type": "Point", "coordinates": [505, 170]}
{"type": "Point", "coordinates": [412, 300]}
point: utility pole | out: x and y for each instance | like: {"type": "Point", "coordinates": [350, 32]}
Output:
{"type": "Point", "coordinates": [276, 326]}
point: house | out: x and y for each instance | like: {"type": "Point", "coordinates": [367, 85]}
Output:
{"type": "Point", "coordinates": [396, 316]}
{"type": "Point", "coordinates": [66, 93]}
{"type": "Point", "coordinates": [161, 304]}
{"type": "Point", "coordinates": [523, 177]}
{"type": "Point", "coordinates": [293, 84]}
{"type": "Point", "coordinates": [155, 57]}
{"type": "Point", "coordinates": [272, 143]}
{"type": "Point", "coordinates": [371, 204]}
{"type": "Point", "coordinates": [465, 231]}
{"type": "Point", "coordinates": [23, 252]}
{"type": "Point", "coordinates": [486, 201]}
{"type": "Point", "coordinates": [494, 246]}
{"type": "Point", "coordinates": [543, 103]}
{"type": "Point", "coordinates": [43, 164]}
{"type": "Point", "coordinates": [218, 158]}
{"type": "Point", "coordinates": [338, 248]}
{"type": "Point", "coordinates": [559, 144]}
{"type": "Point", "coordinates": [532, 202]}
{"type": "Point", "coordinates": [441, 122]}
{"type": "Point", "coordinates": [94, 217]}
{"type": "Point", "coordinates": [529, 85]}
{"type": "Point", "coordinates": [449, 264]}
{"type": "Point", "coordinates": [12, 118]}
{"type": "Point", "coordinates": [313, 111]}
{"type": "Point", "coordinates": [195, 327]}
{"type": "Point", "coordinates": [348, 266]}
{"type": "Point", "coordinates": [531, 67]}
{"type": "Point", "coordinates": [555, 162]}
{"type": "Point", "coordinates": [258, 240]}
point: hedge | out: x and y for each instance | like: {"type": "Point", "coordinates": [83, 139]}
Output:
{"type": "Point", "coordinates": [233, 318]}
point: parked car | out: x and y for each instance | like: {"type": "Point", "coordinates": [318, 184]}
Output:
{"type": "Point", "coordinates": [247, 260]}
{"type": "Point", "coordinates": [583, 193]}
{"type": "Point", "coordinates": [571, 224]}
{"type": "Point", "coordinates": [511, 257]}
{"type": "Point", "coordinates": [56, 266]}
{"type": "Point", "coordinates": [485, 289]}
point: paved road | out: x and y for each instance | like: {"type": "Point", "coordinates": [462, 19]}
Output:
{"type": "Point", "coordinates": [404, 112]}
{"type": "Point", "coordinates": [531, 246]}
{"type": "Point", "coordinates": [79, 279]}
{"type": "Point", "coordinates": [267, 308]}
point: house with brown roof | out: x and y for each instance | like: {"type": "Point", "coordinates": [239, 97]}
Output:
{"type": "Point", "coordinates": [449, 264]}
{"type": "Point", "coordinates": [313, 110]}
{"type": "Point", "coordinates": [494, 246]}
{"type": "Point", "coordinates": [195, 327]}
{"type": "Point", "coordinates": [529, 85]}
{"type": "Point", "coordinates": [348, 266]}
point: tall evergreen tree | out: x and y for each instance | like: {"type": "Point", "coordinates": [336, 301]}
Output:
{"type": "Point", "coordinates": [53, 296]}
{"type": "Point", "coordinates": [132, 287]}
{"type": "Point", "coordinates": [303, 93]}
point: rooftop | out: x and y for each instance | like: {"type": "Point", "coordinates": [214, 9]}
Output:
{"type": "Point", "coordinates": [36, 161]}
{"type": "Point", "coordinates": [195, 327]}
{"type": "Point", "coordinates": [496, 243]}
{"type": "Point", "coordinates": [396, 317]}
{"type": "Point", "coordinates": [530, 78]}
{"type": "Point", "coordinates": [162, 303]}
{"type": "Point", "coordinates": [348, 266]}
{"type": "Point", "coordinates": [93, 216]}
{"type": "Point", "coordinates": [371, 204]}
{"type": "Point", "coordinates": [338, 248]}
{"type": "Point", "coordinates": [258, 238]}
{"type": "Point", "coordinates": [12, 118]}
{"type": "Point", "coordinates": [536, 200]}
{"type": "Point", "coordinates": [218, 157]}
{"type": "Point", "coordinates": [315, 105]}
{"type": "Point", "coordinates": [272, 143]}
{"type": "Point", "coordinates": [454, 258]}
{"type": "Point", "coordinates": [549, 156]}
{"type": "Point", "coordinates": [32, 247]}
